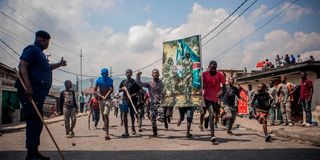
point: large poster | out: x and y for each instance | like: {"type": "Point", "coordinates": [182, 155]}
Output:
{"type": "Point", "coordinates": [181, 72]}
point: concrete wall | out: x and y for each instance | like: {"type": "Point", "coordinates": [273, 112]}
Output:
{"type": "Point", "coordinates": [316, 101]}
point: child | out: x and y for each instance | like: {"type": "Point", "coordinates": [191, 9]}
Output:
{"type": "Point", "coordinates": [94, 110]}
{"type": "Point", "coordinates": [70, 108]}
{"type": "Point", "coordinates": [263, 100]}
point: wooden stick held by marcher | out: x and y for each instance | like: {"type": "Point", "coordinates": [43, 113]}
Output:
{"type": "Point", "coordinates": [130, 99]}
{"type": "Point", "coordinates": [40, 116]}
{"type": "Point", "coordinates": [104, 97]}
{"type": "Point", "coordinates": [89, 116]}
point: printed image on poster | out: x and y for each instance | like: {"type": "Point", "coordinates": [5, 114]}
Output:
{"type": "Point", "coordinates": [182, 72]}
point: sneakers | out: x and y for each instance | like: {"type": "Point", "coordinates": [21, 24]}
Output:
{"type": "Point", "coordinates": [268, 138]}
{"type": "Point", "coordinates": [213, 139]}
{"type": "Point", "coordinates": [140, 130]}
{"type": "Point", "coordinates": [290, 124]}
{"type": "Point", "coordinates": [308, 125]}
{"type": "Point", "coordinates": [134, 131]}
{"type": "Point", "coordinates": [72, 133]}
{"type": "Point", "coordinates": [125, 135]}
{"type": "Point", "coordinates": [69, 135]}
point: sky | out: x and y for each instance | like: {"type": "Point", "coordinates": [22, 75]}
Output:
{"type": "Point", "coordinates": [126, 34]}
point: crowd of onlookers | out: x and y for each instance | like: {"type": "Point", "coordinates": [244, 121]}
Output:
{"type": "Point", "coordinates": [286, 60]}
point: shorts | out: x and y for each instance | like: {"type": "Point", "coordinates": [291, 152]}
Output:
{"type": "Point", "coordinates": [125, 106]}
{"type": "Point", "coordinates": [105, 106]}
{"type": "Point", "coordinates": [186, 110]}
{"type": "Point", "coordinates": [212, 106]}
{"type": "Point", "coordinates": [260, 116]}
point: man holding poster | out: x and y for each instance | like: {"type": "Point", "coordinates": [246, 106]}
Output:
{"type": "Point", "coordinates": [182, 83]}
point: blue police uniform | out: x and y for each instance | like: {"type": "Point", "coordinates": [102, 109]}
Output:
{"type": "Point", "coordinates": [40, 76]}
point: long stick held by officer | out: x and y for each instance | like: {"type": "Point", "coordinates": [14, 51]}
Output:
{"type": "Point", "coordinates": [36, 73]}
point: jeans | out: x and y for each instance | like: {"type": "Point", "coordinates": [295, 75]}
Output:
{"type": "Point", "coordinates": [231, 119]}
{"type": "Point", "coordinates": [213, 108]}
{"type": "Point", "coordinates": [81, 107]}
{"type": "Point", "coordinates": [96, 117]}
{"type": "Point", "coordinates": [273, 112]}
{"type": "Point", "coordinates": [306, 105]}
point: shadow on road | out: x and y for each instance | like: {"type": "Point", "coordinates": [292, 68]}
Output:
{"type": "Point", "coordinates": [245, 154]}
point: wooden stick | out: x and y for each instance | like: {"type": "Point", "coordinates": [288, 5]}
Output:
{"type": "Point", "coordinates": [40, 116]}
{"type": "Point", "coordinates": [104, 97]}
{"type": "Point", "coordinates": [89, 119]}
{"type": "Point", "coordinates": [130, 99]}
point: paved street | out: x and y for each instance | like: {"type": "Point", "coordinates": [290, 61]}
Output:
{"type": "Point", "coordinates": [172, 144]}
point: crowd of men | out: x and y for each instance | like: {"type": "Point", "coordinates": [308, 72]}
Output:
{"type": "Point", "coordinates": [286, 60]}
{"type": "Point", "coordinates": [219, 96]}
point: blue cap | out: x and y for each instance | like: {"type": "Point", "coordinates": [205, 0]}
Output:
{"type": "Point", "coordinates": [104, 71]}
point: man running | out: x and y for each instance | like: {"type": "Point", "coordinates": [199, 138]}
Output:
{"type": "Point", "coordinates": [229, 95]}
{"type": "Point", "coordinates": [212, 82]}
{"type": "Point", "coordinates": [105, 86]}
{"type": "Point", "coordinates": [155, 88]}
{"type": "Point", "coordinates": [133, 89]}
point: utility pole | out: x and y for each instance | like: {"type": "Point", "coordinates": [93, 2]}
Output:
{"type": "Point", "coordinates": [80, 70]}
{"type": "Point", "coordinates": [110, 71]}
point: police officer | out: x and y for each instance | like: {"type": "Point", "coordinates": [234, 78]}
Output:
{"type": "Point", "coordinates": [36, 72]}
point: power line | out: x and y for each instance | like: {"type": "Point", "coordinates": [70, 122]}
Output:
{"type": "Point", "coordinates": [263, 13]}
{"type": "Point", "coordinates": [58, 69]}
{"type": "Point", "coordinates": [22, 41]}
{"type": "Point", "coordinates": [27, 28]}
{"type": "Point", "coordinates": [10, 47]}
{"type": "Point", "coordinates": [260, 15]}
{"type": "Point", "coordinates": [76, 74]}
{"type": "Point", "coordinates": [18, 13]}
{"type": "Point", "coordinates": [224, 19]}
{"type": "Point", "coordinates": [230, 23]}
{"type": "Point", "coordinates": [49, 23]}
{"type": "Point", "coordinates": [17, 22]}
{"type": "Point", "coordinates": [147, 66]}
{"type": "Point", "coordinates": [9, 54]}
{"type": "Point", "coordinates": [246, 38]}
{"type": "Point", "coordinates": [18, 55]}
